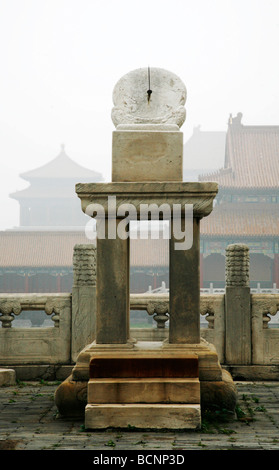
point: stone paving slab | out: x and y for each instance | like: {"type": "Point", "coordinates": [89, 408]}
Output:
{"type": "Point", "coordinates": [29, 421]}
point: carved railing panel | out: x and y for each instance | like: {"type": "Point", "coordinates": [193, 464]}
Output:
{"type": "Point", "coordinates": [15, 304]}
{"type": "Point", "coordinates": [156, 305]}
{"type": "Point", "coordinates": [211, 307]}
{"type": "Point", "coordinates": [35, 345]}
{"type": "Point", "coordinates": [265, 340]}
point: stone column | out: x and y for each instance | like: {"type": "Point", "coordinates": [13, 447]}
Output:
{"type": "Point", "coordinates": [184, 326]}
{"type": "Point", "coordinates": [113, 289]}
{"type": "Point", "coordinates": [237, 305]}
{"type": "Point", "coordinates": [83, 297]}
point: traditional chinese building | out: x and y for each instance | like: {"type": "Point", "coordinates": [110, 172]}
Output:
{"type": "Point", "coordinates": [37, 256]}
{"type": "Point", "coordinates": [50, 199]}
{"type": "Point", "coordinates": [247, 205]}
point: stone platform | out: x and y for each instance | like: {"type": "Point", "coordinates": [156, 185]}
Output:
{"type": "Point", "coordinates": [216, 384]}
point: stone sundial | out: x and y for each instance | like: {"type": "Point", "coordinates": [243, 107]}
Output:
{"type": "Point", "coordinates": [147, 151]}
{"type": "Point", "coordinates": [149, 96]}
{"type": "Point", "coordinates": [148, 113]}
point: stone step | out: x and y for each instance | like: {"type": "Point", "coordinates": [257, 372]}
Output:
{"type": "Point", "coordinates": [143, 390]}
{"type": "Point", "coordinates": [143, 416]}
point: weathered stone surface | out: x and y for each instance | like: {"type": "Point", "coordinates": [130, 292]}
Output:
{"type": "Point", "coordinates": [147, 416]}
{"type": "Point", "coordinates": [213, 306]}
{"type": "Point", "coordinates": [43, 372]}
{"type": "Point", "coordinates": [209, 365]}
{"type": "Point", "coordinates": [184, 298]}
{"type": "Point", "coordinates": [238, 339]}
{"type": "Point", "coordinates": [222, 394]}
{"type": "Point", "coordinates": [214, 383]}
{"type": "Point", "coordinates": [237, 265]}
{"type": "Point", "coordinates": [7, 377]}
{"type": "Point", "coordinates": [250, 372]}
{"type": "Point", "coordinates": [71, 397]}
{"type": "Point", "coordinates": [166, 104]}
{"type": "Point", "coordinates": [147, 156]}
{"type": "Point", "coordinates": [264, 339]}
{"type": "Point", "coordinates": [84, 265]}
{"type": "Point", "coordinates": [83, 297]}
{"type": "Point", "coordinates": [201, 195]}
{"type": "Point", "coordinates": [237, 305]}
{"type": "Point", "coordinates": [83, 318]}
{"type": "Point", "coordinates": [21, 345]}
{"type": "Point", "coordinates": [148, 366]}
{"type": "Point", "coordinates": [113, 298]}
{"type": "Point", "coordinates": [144, 390]}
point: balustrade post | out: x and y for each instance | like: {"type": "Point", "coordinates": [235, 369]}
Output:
{"type": "Point", "coordinates": [238, 306]}
{"type": "Point", "coordinates": [83, 297]}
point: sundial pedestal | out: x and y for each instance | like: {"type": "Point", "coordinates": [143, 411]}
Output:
{"type": "Point", "coordinates": [147, 153]}
{"type": "Point", "coordinates": [147, 169]}
{"type": "Point", "coordinates": [112, 311]}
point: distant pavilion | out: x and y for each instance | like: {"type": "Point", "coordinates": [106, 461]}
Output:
{"type": "Point", "coordinates": [50, 199]}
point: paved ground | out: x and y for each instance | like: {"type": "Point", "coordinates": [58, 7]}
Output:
{"type": "Point", "coordinates": [29, 421]}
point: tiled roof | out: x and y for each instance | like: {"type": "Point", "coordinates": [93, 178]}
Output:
{"type": "Point", "coordinates": [38, 248]}
{"type": "Point", "coordinates": [62, 167]}
{"type": "Point", "coordinates": [242, 219]}
{"type": "Point", "coordinates": [44, 184]}
{"type": "Point", "coordinates": [46, 249]}
{"type": "Point", "coordinates": [252, 158]}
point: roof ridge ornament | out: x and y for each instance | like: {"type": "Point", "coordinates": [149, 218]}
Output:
{"type": "Point", "coordinates": [236, 121]}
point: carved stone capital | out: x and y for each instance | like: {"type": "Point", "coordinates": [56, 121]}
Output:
{"type": "Point", "coordinates": [134, 197]}
{"type": "Point", "coordinates": [8, 308]}
{"type": "Point", "coordinates": [160, 311]}
{"type": "Point", "coordinates": [84, 265]}
{"type": "Point", "coordinates": [237, 265]}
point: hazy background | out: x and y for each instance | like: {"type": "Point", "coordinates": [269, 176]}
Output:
{"type": "Point", "coordinates": [60, 60]}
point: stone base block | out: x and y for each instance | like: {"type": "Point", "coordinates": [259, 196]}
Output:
{"type": "Point", "coordinates": [144, 365]}
{"type": "Point", "coordinates": [254, 372]}
{"type": "Point", "coordinates": [147, 156]}
{"type": "Point", "coordinates": [71, 397]}
{"type": "Point", "coordinates": [216, 385]}
{"type": "Point", "coordinates": [219, 394]}
{"type": "Point", "coordinates": [151, 416]}
{"type": "Point", "coordinates": [149, 390]}
{"type": "Point", "coordinates": [7, 377]}
{"type": "Point", "coordinates": [209, 365]}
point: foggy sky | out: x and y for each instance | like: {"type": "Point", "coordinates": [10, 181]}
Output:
{"type": "Point", "coordinates": [60, 60]}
